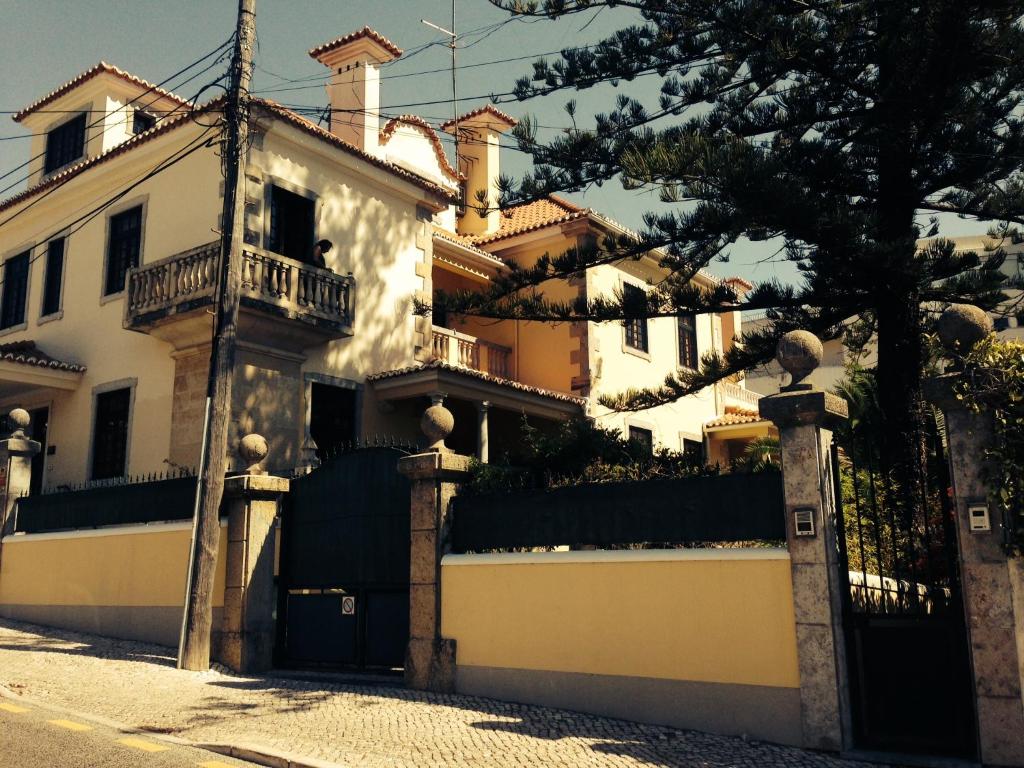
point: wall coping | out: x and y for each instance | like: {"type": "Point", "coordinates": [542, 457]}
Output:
{"type": "Point", "coordinates": [616, 556]}
{"type": "Point", "coordinates": [107, 530]}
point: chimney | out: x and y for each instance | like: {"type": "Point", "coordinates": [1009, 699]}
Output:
{"type": "Point", "coordinates": [354, 87]}
{"type": "Point", "coordinates": [478, 134]}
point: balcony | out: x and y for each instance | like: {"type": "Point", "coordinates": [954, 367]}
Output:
{"type": "Point", "coordinates": [462, 351]}
{"type": "Point", "coordinates": [283, 302]}
{"type": "Point", "coordinates": [735, 395]}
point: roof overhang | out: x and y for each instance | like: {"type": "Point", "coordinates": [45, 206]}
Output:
{"type": "Point", "coordinates": [469, 385]}
{"type": "Point", "coordinates": [22, 378]}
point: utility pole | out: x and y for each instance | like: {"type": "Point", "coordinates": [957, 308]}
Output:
{"type": "Point", "coordinates": [194, 648]}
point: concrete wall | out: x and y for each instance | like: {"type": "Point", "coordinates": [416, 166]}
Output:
{"type": "Point", "coordinates": [700, 639]}
{"type": "Point", "coordinates": [123, 581]}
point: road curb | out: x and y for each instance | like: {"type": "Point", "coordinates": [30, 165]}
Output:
{"type": "Point", "coordinates": [253, 753]}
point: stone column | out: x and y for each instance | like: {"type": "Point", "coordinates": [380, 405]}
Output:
{"type": "Point", "coordinates": [18, 450]}
{"type": "Point", "coordinates": [434, 478]}
{"type": "Point", "coordinates": [992, 581]}
{"type": "Point", "coordinates": [252, 502]}
{"type": "Point", "coordinates": [482, 437]}
{"type": "Point", "coordinates": [804, 417]}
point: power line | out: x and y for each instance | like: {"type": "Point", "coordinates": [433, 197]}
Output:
{"type": "Point", "coordinates": [103, 113]}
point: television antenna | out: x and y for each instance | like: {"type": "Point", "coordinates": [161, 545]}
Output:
{"type": "Point", "coordinates": [453, 37]}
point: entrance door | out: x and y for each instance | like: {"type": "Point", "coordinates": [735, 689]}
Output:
{"type": "Point", "coordinates": [332, 418]}
{"type": "Point", "coordinates": [344, 575]}
{"type": "Point", "coordinates": [906, 640]}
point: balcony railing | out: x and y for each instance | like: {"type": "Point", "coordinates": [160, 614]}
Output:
{"type": "Point", "coordinates": [189, 279]}
{"type": "Point", "coordinates": [739, 395]}
{"type": "Point", "coordinates": [464, 351]}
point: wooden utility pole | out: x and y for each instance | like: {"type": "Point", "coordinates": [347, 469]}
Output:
{"type": "Point", "coordinates": [194, 649]}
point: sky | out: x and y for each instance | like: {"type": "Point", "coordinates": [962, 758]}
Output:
{"type": "Point", "coordinates": [47, 42]}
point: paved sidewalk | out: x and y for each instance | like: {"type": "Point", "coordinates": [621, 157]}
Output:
{"type": "Point", "coordinates": [353, 725]}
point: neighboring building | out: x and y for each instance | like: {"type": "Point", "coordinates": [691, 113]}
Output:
{"type": "Point", "coordinates": [109, 277]}
{"type": "Point", "coordinates": [1009, 324]}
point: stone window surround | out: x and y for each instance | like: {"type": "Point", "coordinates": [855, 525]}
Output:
{"type": "Point", "coordinates": [650, 426]}
{"type": "Point", "coordinates": [30, 247]}
{"type": "Point", "coordinates": [626, 348]}
{"type": "Point", "coordinates": [309, 378]}
{"type": "Point", "coordinates": [131, 384]}
{"type": "Point", "coordinates": [269, 182]}
{"type": "Point", "coordinates": [89, 134]}
{"type": "Point", "coordinates": [63, 280]}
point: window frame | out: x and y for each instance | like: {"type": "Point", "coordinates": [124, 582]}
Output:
{"type": "Point", "coordinates": [83, 115]}
{"type": "Point", "coordinates": [645, 351]}
{"type": "Point", "coordinates": [687, 438]}
{"type": "Point", "coordinates": [57, 314]}
{"type": "Point", "coordinates": [637, 426]}
{"type": "Point", "coordinates": [26, 251]}
{"type": "Point", "coordinates": [138, 202]}
{"type": "Point", "coordinates": [269, 182]}
{"type": "Point", "coordinates": [679, 341]}
{"type": "Point", "coordinates": [130, 384]}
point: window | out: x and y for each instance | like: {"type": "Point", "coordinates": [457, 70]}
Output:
{"type": "Point", "coordinates": [54, 275]}
{"type": "Point", "coordinates": [291, 224]}
{"type": "Point", "coordinates": [692, 450]}
{"type": "Point", "coordinates": [332, 418]}
{"type": "Point", "coordinates": [687, 326]}
{"type": "Point", "coordinates": [634, 302]}
{"type": "Point", "coordinates": [142, 122]}
{"type": "Point", "coordinates": [65, 144]}
{"type": "Point", "coordinates": [110, 434]}
{"type": "Point", "coordinates": [644, 437]}
{"type": "Point", "coordinates": [12, 308]}
{"type": "Point", "coordinates": [123, 248]}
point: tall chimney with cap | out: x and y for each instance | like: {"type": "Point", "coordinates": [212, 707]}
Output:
{"type": "Point", "coordinates": [354, 87]}
{"type": "Point", "coordinates": [479, 132]}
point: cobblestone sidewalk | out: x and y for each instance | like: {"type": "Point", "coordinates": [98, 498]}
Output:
{"type": "Point", "coordinates": [136, 684]}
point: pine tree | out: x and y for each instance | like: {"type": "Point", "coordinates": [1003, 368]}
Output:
{"type": "Point", "coordinates": [840, 127]}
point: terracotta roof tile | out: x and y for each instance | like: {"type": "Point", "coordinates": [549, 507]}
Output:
{"type": "Point", "coordinates": [27, 353]}
{"type": "Point", "coordinates": [88, 75]}
{"type": "Point", "coordinates": [487, 109]}
{"type": "Point", "coordinates": [735, 415]}
{"type": "Point", "coordinates": [516, 385]}
{"type": "Point", "coordinates": [435, 140]}
{"type": "Point", "coordinates": [528, 217]}
{"type": "Point", "coordinates": [465, 242]}
{"type": "Point", "coordinates": [351, 37]}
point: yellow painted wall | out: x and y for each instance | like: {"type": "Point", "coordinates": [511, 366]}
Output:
{"type": "Point", "coordinates": [722, 616]}
{"type": "Point", "coordinates": [129, 566]}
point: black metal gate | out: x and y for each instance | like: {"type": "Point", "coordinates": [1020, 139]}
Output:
{"type": "Point", "coordinates": [906, 641]}
{"type": "Point", "coordinates": [343, 585]}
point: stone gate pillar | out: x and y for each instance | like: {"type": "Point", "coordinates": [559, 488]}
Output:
{"type": "Point", "coordinates": [17, 452]}
{"type": "Point", "coordinates": [434, 478]}
{"type": "Point", "coordinates": [992, 581]}
{"type": "Point", "coordinates": [804, 416]}
{"type": "Point", "coordinates": [252, 502]}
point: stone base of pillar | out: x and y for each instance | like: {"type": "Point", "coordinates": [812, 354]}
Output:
{"type": "Point", "coordinates": [430, 665]}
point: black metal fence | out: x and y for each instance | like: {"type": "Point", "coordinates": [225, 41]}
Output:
{"type": "Point", "coordinates": [675, 511]}
{"type": "Point", "coordinates": [108, 503]}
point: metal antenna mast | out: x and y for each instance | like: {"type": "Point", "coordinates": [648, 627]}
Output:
{"type": "Point", "coordinates": [455, 93]}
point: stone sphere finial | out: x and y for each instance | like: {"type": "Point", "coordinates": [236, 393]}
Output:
{"type": "Point", "coordinates": [437, 423]}
{"type": "Point", "coordinates": [253, 449]}
{"type": "Point", "coordinates": [799, 353]}
{"type": "Point", "coordinates": [19, 419]}
{"type": "Point", "coordinates": [962, 326]}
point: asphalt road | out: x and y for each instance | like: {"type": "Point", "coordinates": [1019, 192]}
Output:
{"type": "Point", "coordinates": [32, 736]}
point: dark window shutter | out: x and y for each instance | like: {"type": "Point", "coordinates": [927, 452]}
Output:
{"type": "Point", "coordinates": [15, 293]}
{"type": "Point", "coordinates": [110, 434]}
{"type": "Point", "coordinates": [633, 300]}
{"type": "Point", "coordinates": [687, 325]}
{"type": "Point", "coordinates": [54, 275]}
{"type": "Point", "coordinates": [65, 144]}
{"type": "Point", "coordinates": [123, 248]}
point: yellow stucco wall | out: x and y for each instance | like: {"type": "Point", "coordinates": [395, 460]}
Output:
{"type": "Point", "coordinates": [124, 566]}
{"type": "Point", "coordinates": [719, 616]}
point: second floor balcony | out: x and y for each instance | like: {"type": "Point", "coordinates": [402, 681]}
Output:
{"type": "Point", "coordinates": [463, 351]}
{"type": "Point", "coordinates": [283, 303]}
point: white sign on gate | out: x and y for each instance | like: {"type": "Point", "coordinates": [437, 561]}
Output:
{"type": "Point", "coordinates": [348, 606]}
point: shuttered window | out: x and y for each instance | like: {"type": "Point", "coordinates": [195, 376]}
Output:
{"type": "Point", "coordinates": [633, 301]}
{"type": "Point", "coordinates": [15, 292]}
{"type": "Point", "coordinates": [110, 434]}
{"type": "Point", "coordinates": [123, 248]}
{"type": "Point", "coordinates": [53, 277]}
{"type": "Point", "coordinates": [687, 325]}
{"type": "Point", "coordinates": [65, 144]}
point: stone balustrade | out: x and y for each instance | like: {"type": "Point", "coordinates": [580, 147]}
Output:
{"type": "Point", "coordinates": [463, 351]}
